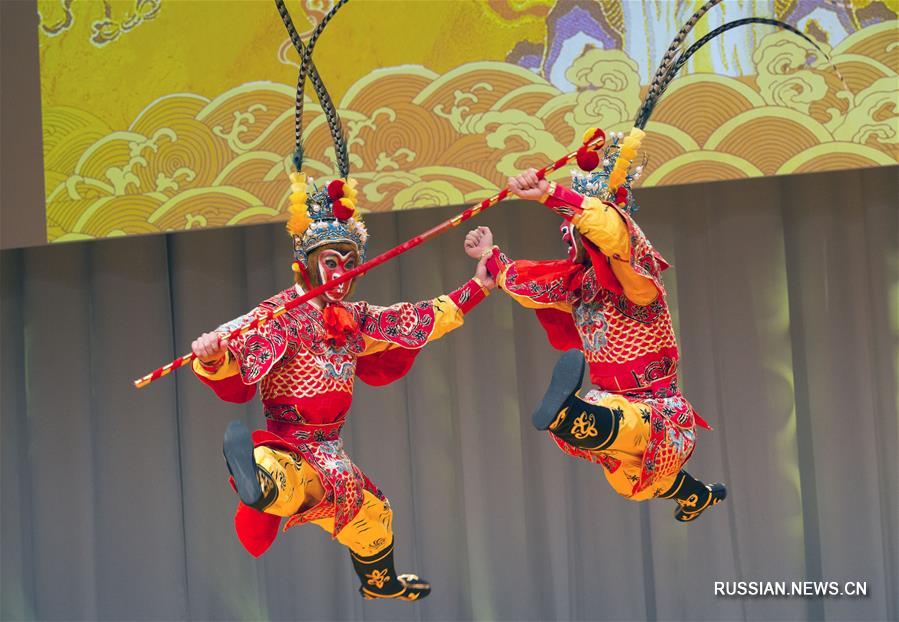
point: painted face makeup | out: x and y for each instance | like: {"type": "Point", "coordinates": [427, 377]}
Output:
{"type": "Point", "coordinates": [573, 242]}
{"type": "Point", "coordinates": [333, 264]}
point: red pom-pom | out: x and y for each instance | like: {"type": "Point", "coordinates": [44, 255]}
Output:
{"type": "Point", "coordinates": [621, 196]}
{"type": "Point", "coordinates": [587, 160]}
{"type": "Point", "coordinates": [335, 189]}
{"type": "Point", "coordinates": [341, 210]}
{"type": "Point", "coordinates": [339, 324]}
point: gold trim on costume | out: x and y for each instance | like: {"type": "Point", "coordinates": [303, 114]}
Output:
{"type": "Point", "coordinates": [228, 368]}
{"type": "Point", "coordinates": [371, 594]}
{"type": "Point", "coordinates": [549, 192]}
{"type": "Point", "coordinates": [483, 287]}
{"type": "Point", "coordinates": [362, 560]}
{"type": "Point", "coordinates": [680, 484]}
{"type": "Point", "coordinates": [691, 503]}
{"type": "Point", "coordinates": [559, 418]}
{"type": "Point", "coordinates": [378, 578]}
{"type": "Point", "coordinates": [613, 432]}
{"type": "Point", "coordinates": [584, 426]}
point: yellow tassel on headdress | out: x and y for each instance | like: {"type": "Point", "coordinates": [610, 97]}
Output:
{"type": "Point", "coordinates": [349, 190]}
{"type": "Point", "coordinates": [351, 193]}
{"type": "Point", "coordinates": [299, 219]}
{"type": "Point", "coordinates": [626, 154]}
{"type": "Point", "coordinates": [616, 178]}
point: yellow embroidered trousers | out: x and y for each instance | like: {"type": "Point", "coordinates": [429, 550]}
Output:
{"type": "Point", "coordinates": [628, 447]}
{"type": "Point", "coordinates": [300, 488]}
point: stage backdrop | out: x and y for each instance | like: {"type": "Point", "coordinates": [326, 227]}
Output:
{"type": "Point", "coordinates": [163, 115]}
{"type": "Point", "coordinates": [785, 292]}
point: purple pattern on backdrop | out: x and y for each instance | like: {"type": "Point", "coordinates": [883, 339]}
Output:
{"type": "Point", "coordinates": [803, 8]}
{"type": "Point", "coordinates": [577, 19]}
{"type": "Point", "coordinates": [531, 61]}
{"type": "Point", "coordinates": [568, 19]}
{"type": "Point", "coordinates": [527, 54]}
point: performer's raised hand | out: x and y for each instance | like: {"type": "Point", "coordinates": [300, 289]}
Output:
{"type": "Point", "coordinates": [478, 241]}
{"type": "Point", "coordinates": [528, 186]}
{"type": "Point", "coordinates": [209, 347]}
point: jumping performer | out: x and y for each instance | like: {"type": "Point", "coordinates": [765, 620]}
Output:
{"type": "Point", "coordinates": [605, 304]}
{"type": "Point", "coordinates": [304, 363]}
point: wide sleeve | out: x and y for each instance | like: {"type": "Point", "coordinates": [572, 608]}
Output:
{"type": "Point", "coordinates": [393, 336]}
{"type": "Point", "coordinates": [534, 284]}
{"type": "Point", "coordinates": [411, 325]}
{"type": "Point", "coordinates": [223, 377]}
{"type": "Point", "coordinates": [249, 356]}
{"type": "Point", "coordinates": [547, 287]}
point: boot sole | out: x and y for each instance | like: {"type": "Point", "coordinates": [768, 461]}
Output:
{"type": "Point", "coordinates": [568, 375]}
{"type": "Point", "coordinates": [238, 449]}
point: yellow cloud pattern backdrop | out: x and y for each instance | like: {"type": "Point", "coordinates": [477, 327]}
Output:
{"type": "Point", "coordinates": [162, 115]}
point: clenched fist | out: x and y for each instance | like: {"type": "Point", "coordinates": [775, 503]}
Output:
{"type": "Point", "coordinates": [209, 347]}
{"type": "Point", "coordinates": [528, 186]}
{"type": "Point", "coordinates": [478, 241]}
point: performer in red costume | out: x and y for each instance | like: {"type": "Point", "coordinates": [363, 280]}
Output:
{"type": "Point", "coordinates": [304, 363]}
{"type": "Point", "coordinates": [605, 304]}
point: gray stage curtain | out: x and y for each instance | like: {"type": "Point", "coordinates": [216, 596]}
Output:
{"type": "Point", "coordinates": [115, 505]}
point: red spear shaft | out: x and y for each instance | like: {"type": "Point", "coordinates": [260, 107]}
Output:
{"type": "Point", "coordinates": [594, 143]}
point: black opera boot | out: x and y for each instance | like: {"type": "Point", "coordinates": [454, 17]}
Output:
{"type": "Point", "coordinates": [577, 422]}
{"type": "Point", "coordinates": [380, 580]}
{"type": "Point", "coordinates": [255, 486]}
{"type": "Point", "coordinates": [693, 497]}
